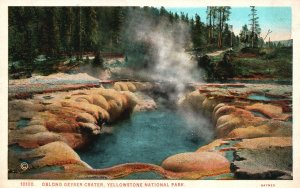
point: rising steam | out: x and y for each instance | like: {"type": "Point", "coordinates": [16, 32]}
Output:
{"type": "Point", "coordinates": [171, 63]}
{"type": "Point", "coordinates": [167, 41]}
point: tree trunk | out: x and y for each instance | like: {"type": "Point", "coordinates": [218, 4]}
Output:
{"type": "Point", "coordinates": [210, 26]}
{"type": "Point", "coordinates": [253, 31]}
{"type": "Point", "coordinates": [80, 33]}
{"type": "Point", "coordinates": [220, 28]}
{"type": "Point", "coordinates": [69, 31]}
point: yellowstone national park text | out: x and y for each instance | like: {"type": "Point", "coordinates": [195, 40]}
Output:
{"type": "Point", "coordinates": [101, 184]}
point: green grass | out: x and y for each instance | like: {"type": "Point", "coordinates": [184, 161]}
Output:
{"type": "Point", "coordinates": [273, 63]}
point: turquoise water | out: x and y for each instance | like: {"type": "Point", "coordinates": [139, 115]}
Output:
{"type": "Point", "coordinates": [23, 122]}
{"type": "Point", "coordinates": [228, 154]}
{"type": "Point", "coordinates": [18, 149]}
{"type": "Point", "coordinates": [262, 97]}
{"type": "Point", "coordinates": [147, 137]}
{"type": "Point", "coordinates": [45, 169]}
{"type": "Point", "coordinates": [144, 175]}
{"type": "Point", "coordinates": [222, 176]}
{"type": "Point", "coordinates": [259, 114]}
{"type": "Point", "coordinates": [249, 81]}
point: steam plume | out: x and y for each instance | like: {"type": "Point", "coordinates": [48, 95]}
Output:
{"type": "Point", "coordinates": [169, 60]}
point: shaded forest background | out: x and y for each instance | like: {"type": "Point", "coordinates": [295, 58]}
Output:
{"type": "Point", "coordinates": [42, 37]}
{"type": "Point", "coordinates": [61, 31]}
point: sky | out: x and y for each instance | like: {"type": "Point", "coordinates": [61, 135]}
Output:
{"type": "Point", "coordinates": [277, 19]}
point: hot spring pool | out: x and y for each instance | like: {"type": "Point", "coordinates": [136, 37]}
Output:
{"type": "Point", "coordinates": [147, 137]}
{"type": "Point", "coordinates": [262, 97]}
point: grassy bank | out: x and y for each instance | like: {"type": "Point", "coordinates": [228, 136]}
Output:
{"type": "Point", "coordinates": [263, 63]}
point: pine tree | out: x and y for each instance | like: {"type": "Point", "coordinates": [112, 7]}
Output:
{"type": "Point", "coordinates": [117, 20]}
{"type": "Point", "coordinates": [186, 18]}
{"type": "Point", "coordinates": [50, 32]}
{"type": "Point", "coordinates": [226, 36]}
{"type": "Point", "coordinates": [176, 16]}
{"type": "Point", "coordinates": [171, 17]}
{"type": "Point", "coordinates": [223, 16]}
{"type": "Point", "coordinates": [163, 11]}
{"type": "Point", "coordinates": [211, 16]}
{"type": "Point", "coordinates": [182, 16]}
{"type": "Point", "coordinates": [90, 32]}
{"type": "Point", "coordinates": [65, 26]}
{"type": "Point", "coordinates": [198, 33]}
{"type": "Point", "coordinates": [77, 35]}
{"type": "Point", "coordinates": [21, 45]}
{"type": "Point", "coordinates": [244, 37]}
{"type": "Point", "coordinates": [69, 22]}
{"type": "Point", "coordinates": [254, 26]}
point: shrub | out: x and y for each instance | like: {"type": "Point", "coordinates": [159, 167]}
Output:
{"type": "Point", "coordinates": [98, 61]}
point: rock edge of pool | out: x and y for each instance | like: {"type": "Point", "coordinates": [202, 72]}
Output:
{"type": "Point", "coordinates": [246, 132]}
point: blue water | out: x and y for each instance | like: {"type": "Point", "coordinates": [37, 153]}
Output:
{"type": "Point", "coordinates": [222, 176]}
{"type": "Point", "coordinates": [249, 81]}
{"type": "Point", "coordinates": [262, 97]}
{"type": "Point", "coordinates": [18, 149]}
{"type": "Point", "coordinates": [281, 82]}
{"type": "Point", "coordinates": [259, 114]}
{"type": "Point", "coordinates": [45, 169]}
{"type": "Point", "coordinates": [23, 122]}
{"type": "Point", "coordinates": [147, 137]}
{"type": "Point", "coordinates": [228, 154]}
{"type": "Point", "coordinates": [144, 175]}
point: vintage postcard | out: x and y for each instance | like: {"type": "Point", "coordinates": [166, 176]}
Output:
{"type": "Point", "coordinates": [149, 94]}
